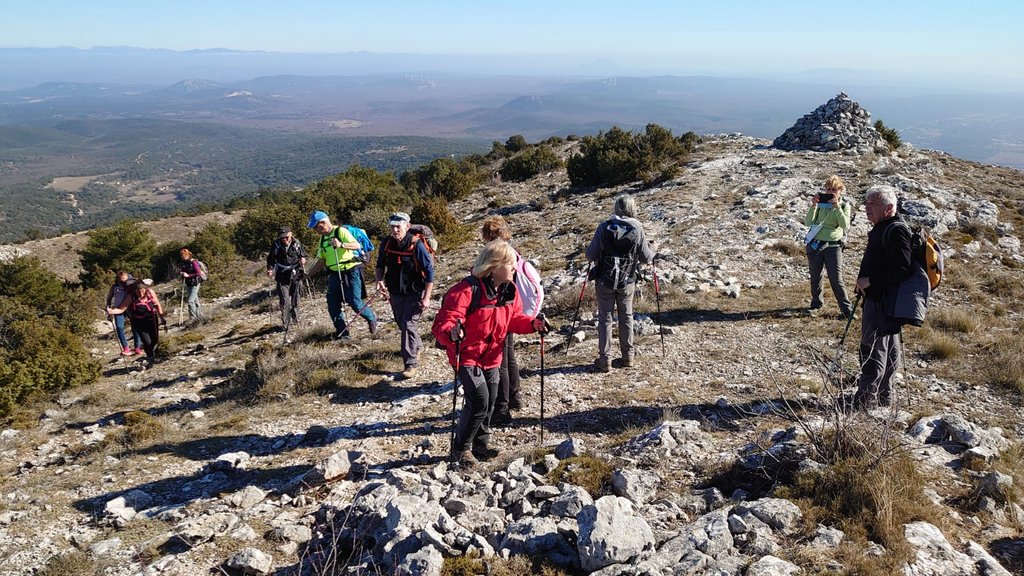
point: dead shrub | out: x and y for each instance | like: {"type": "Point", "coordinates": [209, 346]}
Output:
{"type": "Point", "coordinates": [978, 230]}
{"type": "Point", "coordinates": [74, 563]}
{"type": "Point", "coordinates": [789, 248]}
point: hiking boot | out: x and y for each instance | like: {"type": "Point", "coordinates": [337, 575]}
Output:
{"type": "Point", "coordinates": [343, 336]}
{"type": "Point", "coordinates": [622, 363]}
{"type": "Point", "coordinates": [515, 403]}
{"type": "Point", "coordinates": [373, 327]}
{"type": "Point", "coordinates": [501, 419]}
{"type": "Point", "coordinates": [601, 364]}
{"type": "Point", "coordinates": [126, 351]}
{"type": "Point", "coordinates": [483, 453]}
{"type": "Point", "coordinates": [139, 351]}
{"type": "Point", "coordinates": [466, 460]}
{"type": "Point", "coordinates": [409, 372]}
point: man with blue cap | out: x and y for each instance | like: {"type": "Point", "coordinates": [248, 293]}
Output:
{"type": "Point", "coordinates": [337, 251]}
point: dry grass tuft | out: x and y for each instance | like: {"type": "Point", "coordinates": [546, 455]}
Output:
{"type": "Point", "coordinates": [472, 564]}
{"type": "Point", "coordinates": [953, 320]}
{"type": "Point", "coordinates": [75, 563]}
{"type": "Point", "coordinates": [940, 346]}
{"type": "Point", "coordinates": [1005, 365]}
{"type": "Point", "coordinates": [588, 472]}
{"type": "Point", "coordinates": [789, 248]}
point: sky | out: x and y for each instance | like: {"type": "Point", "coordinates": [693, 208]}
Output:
{"type": "Point", "coordinates": [963, 40]}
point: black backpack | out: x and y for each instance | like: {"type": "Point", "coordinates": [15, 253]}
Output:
{"type": "Point", "coordinates": [617, 266]}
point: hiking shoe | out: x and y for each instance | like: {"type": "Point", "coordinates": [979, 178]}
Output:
{"type": "Point", "coordinates": [466, 460]}
{"type": "Point", "coordinates": [343, 336]}
{"type": "Point", "coordinates": [483, 453]}
{"type": "Point", "coordinates": [373, 327]}
{"type": "Point", "coordinates": [139, 351]}
{"type": "Point", "coordinates": [601, 364]}
{"type": "Point", "coordinates": [409, 372]}
{"type": "Point", "coordinates": [501, 419]}
{"type": "Point", "coordinates": [127, 351]}
{"type": "Point", "coordinates": [622, 363]}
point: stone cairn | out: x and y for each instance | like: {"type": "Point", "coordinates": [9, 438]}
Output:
{"type": "Point", "coordinates": [839, 124]}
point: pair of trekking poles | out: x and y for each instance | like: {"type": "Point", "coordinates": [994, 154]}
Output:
{"type": "Point", "coordinates": [458, 366]}
{"type": "Point", "coordinates": [657, 299]}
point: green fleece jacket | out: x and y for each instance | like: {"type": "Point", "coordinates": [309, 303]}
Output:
{"type": "Point", "coordinates": [834, 221]}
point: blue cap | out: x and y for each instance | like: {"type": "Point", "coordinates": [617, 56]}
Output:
{"type": "Point", "coordinates": [316, 217]}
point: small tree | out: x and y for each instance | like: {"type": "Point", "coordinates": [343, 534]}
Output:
{"type": "Point", "coordinates": [528, 164]}
{"type": "Point", "coordinates": [890, 135]}
{"type": "Point", "coordinates": [123, 246]}
{"type": "Point", "coordinates": [516, 143]}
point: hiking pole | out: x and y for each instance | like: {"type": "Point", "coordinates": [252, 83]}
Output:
{"type": "Point", "coordinates": [367, 303]}
{"type": "Point", "coordinates": [543, 331]}
{"type": "Point", "coordinates": [113, 327]}
{"type": "Point", "coordinates": [455, 386]}
{"type": "Point", "coordinates": [849, 321]}
{"type": "Point", "coordinates": [657, 299]}
{"type": "Point", "coordinates": [181, 304]}
{"type": "Point", "coordinates": [579, 303]}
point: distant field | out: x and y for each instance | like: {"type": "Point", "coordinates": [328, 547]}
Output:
{"type": "Point", "coordinates": [78, 175]}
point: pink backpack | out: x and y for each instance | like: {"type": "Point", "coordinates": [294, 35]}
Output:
{"type": "Point", "coordinates": [531, 292]}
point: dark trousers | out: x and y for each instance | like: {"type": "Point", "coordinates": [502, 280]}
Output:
{"type": "Point", "coordinates": [407, 311]}
{"type": "Point", "coordinates": [879, 357]}
{"type": "Point", "coordinates": [508, 377]}
{"type": "Point", "coordinates": [348, 288]}
{"type": "Point", "coordinates": [831, 259]}
{"type": "Point", "coordinates": [288, 299]}
{"type": "Point", "coordinates": [149, 332]}
{"type": "Point", "coordinates": [480, 391]}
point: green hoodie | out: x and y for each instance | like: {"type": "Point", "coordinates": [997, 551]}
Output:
{"type": "Point", "coordinates": [834, 221]}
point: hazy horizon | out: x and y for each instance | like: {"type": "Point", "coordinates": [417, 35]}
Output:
{"type": "Point", "coordinates": [959, 46]}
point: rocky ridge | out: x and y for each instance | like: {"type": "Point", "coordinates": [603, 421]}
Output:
{"type": "Point", "coordinates": [361, 469]}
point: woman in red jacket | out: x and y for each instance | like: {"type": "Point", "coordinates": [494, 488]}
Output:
{"type": "Point", "coordinates": [479, 311]}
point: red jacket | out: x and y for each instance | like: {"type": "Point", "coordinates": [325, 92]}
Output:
{"type": "Point", "coordinates": [485, 328]}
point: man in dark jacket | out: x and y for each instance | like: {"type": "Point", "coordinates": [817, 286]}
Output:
{"type": "Point", "coordinates": [405, 277]}
{"type": "Point", "coordinates": [285, 263]}
{"type": "Point", "coordinates": [886, 263]}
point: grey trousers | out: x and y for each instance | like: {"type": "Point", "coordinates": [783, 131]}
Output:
{"type": "Point", "coordinates": [407, 311]}
{"type": "Point", "coordinates": [879, 357]}
{"type": "Point", "coordinates": [831, 259]}
{"type": "Point", "coordinates": [288, 299]}
{"type": "Point", "coordinates": [607, 300]}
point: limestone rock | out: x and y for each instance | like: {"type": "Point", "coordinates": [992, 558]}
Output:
{"type": "Point", "coordinates": [610, 532]}
{"type": "Point", "coordinates": [251, 561]}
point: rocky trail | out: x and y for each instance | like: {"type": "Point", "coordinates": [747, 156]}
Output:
{"type": "Point", "coordinates": [239, 454]}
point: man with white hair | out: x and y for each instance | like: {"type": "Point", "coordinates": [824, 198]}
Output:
{"type": "Point", "coordinates": [886, 263]}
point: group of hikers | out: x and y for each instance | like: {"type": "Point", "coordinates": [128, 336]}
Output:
{"type": "Point", "coordinates": [502, 295]}
{"type": "Point", "coordinates": [135, 299]}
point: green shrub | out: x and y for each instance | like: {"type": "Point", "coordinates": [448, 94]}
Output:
{"type": "Point", "coordinates": [588, 472]}
{"type": "Point", "coordinates": [38, 356]}
{"type": "Point", "coordinates": [25, 280]}
{"type": "Point", "coordinates": [443, 177]}
{"type": "Point", "coordinates": [123, 246]}
{"type": "Point", "coordinates": [434, 212]}
{"type": "Point", "coordinates": [258, 228]}
{"type": "Point", "coordinates": [890, 135]}
{"type": "Point", "coordinates": [214, 246]}
{"type": "Point", "coordinates": [618, 156]}
{"type": "Point", "coordinates": [528, 164]}
{"type": "Point", "coordinates": [516, 143]}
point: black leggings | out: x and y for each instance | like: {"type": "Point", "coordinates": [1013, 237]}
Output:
{"type": "Point", "coordinates": [149, 330]}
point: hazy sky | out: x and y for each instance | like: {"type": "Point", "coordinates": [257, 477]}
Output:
{"type": "Point", "coordinates": [959, 38]}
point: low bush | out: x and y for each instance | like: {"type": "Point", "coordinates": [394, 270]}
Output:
{"type": "Point", "coordinates": [529, 163]}
{"type": "Point", "coordinates": [587, 471]}
{"type": "Point", "coordinates": [124, 246]}
{"type": "Point", "coordinates": [618, 156]}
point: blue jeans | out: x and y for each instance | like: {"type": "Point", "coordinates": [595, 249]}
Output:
{"type": "Point", "coordinates": [346, 289]}
{"type": "Point", "coordinates": [193, 301]}
{"type": "Point", "coordinates": [119, 328]}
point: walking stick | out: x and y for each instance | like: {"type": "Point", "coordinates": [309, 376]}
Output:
{"type": "Point", "coordinates": [543, 331]}
{"type": "Point", "coordinates": [113, 327]}
{"type": "Point", "coordinates": [849, 321]}
{"type": "Point", "coordinates": [341, 286]}
{"type": "Point", "coordinates": [579, 303]}
{"type": "Point", "coordinates": [181, 304]}
{"type": "Point", "coordinates": [367, 303]}
{"type": "Point", "coordinates": [657, 299]}
{"type": "Point", "coordinates": [455, 386]}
